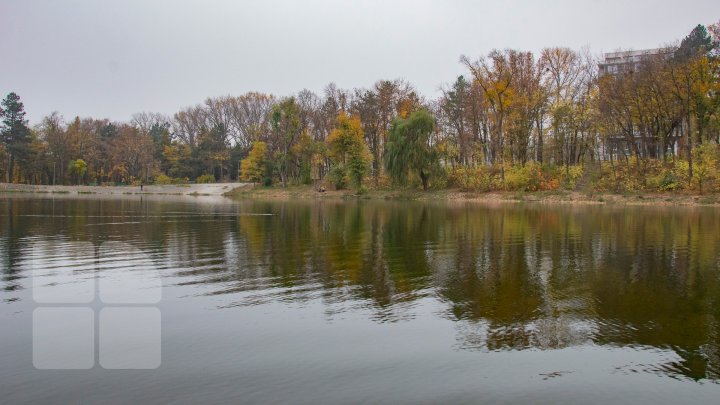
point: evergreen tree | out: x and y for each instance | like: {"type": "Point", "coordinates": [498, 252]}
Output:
{"type": "Point", "coordinates": [14, 132]}
{"type": "Point", "coordinates": [697, 43]}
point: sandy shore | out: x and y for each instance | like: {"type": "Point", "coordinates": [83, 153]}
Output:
{"type": "Point", "coordinates": [214, 189]}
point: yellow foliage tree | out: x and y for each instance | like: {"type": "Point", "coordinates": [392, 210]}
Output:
{"type": "Point", "coordinates": [253, 166]}
{"type": "Point", "coordinates": [706, 164]}
{"type": "Point", "coordinates": [309, 154]}
{"type": "Point", "coordinates": [348, 149]}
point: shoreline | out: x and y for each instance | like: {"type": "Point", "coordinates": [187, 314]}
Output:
{"type": "Point", "coordinates": [192, 190]}
{"type": "Point", "coordinates": [456, 195]}
{"type": "Point", "coordinates": [247, 191]}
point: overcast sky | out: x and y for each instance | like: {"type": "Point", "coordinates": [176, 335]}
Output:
{"type": "Point", "coordinates": [110, 59]}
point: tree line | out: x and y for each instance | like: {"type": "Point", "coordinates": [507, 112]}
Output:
{"type": "Point", "coordinates": [515, 120]}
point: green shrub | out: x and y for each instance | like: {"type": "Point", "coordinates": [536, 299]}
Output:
{"type": "Point", "coordinates": [470, 178]}
{"type": "Point", "coordinates": [523, 178]}
{"type": "Point", "coordinates": [163, 179]}
{"type": "Point", "coordinates": [665, 180]}
{"type": "Point", "coordinates": [439, 179]}
{"type": "Point", "coordinates": [623, 178]}
{"type": "Point", "coordinates": [338, 177]}
{"type": "Point", "coordinates": [205, 178]}
{"type": "Point", "coordinates": [570, 176]}
{"type": "Point", "coordinates": [705, 169]}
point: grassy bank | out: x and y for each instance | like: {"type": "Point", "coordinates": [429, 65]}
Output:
{"type": "Point", "coordinates": [557, 196]}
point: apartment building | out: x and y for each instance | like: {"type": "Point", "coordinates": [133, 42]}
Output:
{"type": "Point", "coordinates": [629, 61]}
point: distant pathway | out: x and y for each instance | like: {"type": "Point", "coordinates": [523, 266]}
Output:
{"type": "Point", "coordinates": [212, 189]}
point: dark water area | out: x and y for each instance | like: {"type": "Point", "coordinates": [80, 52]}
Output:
{"type": "Point", "coordinates": [367, 301]}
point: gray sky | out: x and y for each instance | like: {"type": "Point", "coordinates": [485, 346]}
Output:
{"type": "Point", "coordinates": [110, 59]}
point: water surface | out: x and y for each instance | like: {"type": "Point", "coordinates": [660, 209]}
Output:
{"type": "Point", "coordinates": [362, 301]}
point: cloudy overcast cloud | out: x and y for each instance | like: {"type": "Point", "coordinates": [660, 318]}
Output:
{"type": "Point", "coordinates": [110, 59]}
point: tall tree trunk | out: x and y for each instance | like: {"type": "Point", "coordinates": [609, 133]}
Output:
{"type": "Point", "coordinates": [540, 142]}
{"type": "Point", "coordinates": [424, 177]}
{"type": "Point", "coordinates": [11, 169]}
{"type": "Point", "coordinates": [689, 148]}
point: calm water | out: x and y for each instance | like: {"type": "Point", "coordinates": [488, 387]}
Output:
{"type": "Point", "coordinates": [325, 302]}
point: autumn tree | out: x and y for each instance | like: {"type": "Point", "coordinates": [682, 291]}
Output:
{"type": "Point", "coordinates": [54, 134]}
{"type": "Point", "coordinates": [637, 113]}
{"type": "Point", "coordinates": [77, 168]}
{"type": "Point", "coordinates": [286, 128]}
{"type": "Point", "coordinates": [707, 158]}
{"type": "Point", "coordinates": [495, 77]}
{"type": "Point", "coordinates": [132, 154]}
{"type": "Point", "coordinates": [213, 151]}
{"type": "Point", "coordinates": [694, 72]}
{"type": "Point", "coordinates": [180, 162]}
{"type": "Point", "coordinates": [157, 127]}
{"type": "Point", "coordinates": [335, 101]}
{"type": "Point", "coordinates": [188, 124]}
{"type": "Point", "coordinates": [250, 121]}
{"type": "Point", "coordinates": [348, 149]}
{"type": "Point", "coordinates": [37, 166]}
{"type": "Point", "coordinates": [85, 138]}
{"type": "Point", "coordinates": [526, 106]}
{"type": "Point", "coordinates": [462, 113]}
{"type": "Point", "coordinates": [100, 156]}
{"type": "Point", "coordinates": [562, 74]}
{"type": "Point", "coordinates": [253, 167]}
{"type": "Point", "coordinates": [377, 108]}
{"type": "Point", "coordinates": [309, 156]}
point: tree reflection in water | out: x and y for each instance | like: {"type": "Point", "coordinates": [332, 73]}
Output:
{"type": "Point", "coordinates": [512, 277]}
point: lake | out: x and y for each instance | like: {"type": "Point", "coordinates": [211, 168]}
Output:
{"type": "Point", "coordinates": [120, 299]}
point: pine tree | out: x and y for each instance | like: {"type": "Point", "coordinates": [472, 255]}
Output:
{"type": "Point", "coordinates": [14, 132]}
{"type": "Point", "coordinates": [697, 43]}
